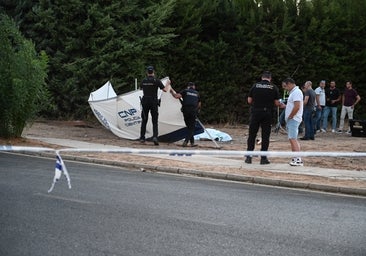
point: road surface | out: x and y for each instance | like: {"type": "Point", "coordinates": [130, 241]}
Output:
{"type": "Point", "coordinates": [111, 211]}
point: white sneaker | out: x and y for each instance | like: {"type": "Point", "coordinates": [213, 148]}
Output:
{"type": "Point", "coordinates": [339, 131]}
{"type": "Point", "coordinates": [333, 130]}
{"type": "Point", "coordinates": [323, 130]}
{"type": "Point", "coordinates": [296, 162]}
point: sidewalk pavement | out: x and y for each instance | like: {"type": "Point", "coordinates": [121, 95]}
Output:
{"type": "Point", "coordinates": [359, 188]}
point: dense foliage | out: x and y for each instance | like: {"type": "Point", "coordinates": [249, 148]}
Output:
{"type": "Point", "coordinates": [222, 45]}
{"type": "Point", "coordinates": [22, 80]}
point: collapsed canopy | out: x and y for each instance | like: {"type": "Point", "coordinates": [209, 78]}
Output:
{"type": "Point", "coordinates": [122, 114]}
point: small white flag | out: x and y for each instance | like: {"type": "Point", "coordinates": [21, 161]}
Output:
{"type": "Point", "coordinates": [59, 169]}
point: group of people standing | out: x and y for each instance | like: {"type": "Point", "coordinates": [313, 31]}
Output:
{"type": "Point", "coordinates": [303, 105]}
{"type": "Point", "coordinates": [326, 103]}
{"type": "Point", "coordinates": [333, 96]}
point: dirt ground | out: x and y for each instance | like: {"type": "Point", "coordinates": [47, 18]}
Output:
{"type": "Point", "coordinates": [94, 132]}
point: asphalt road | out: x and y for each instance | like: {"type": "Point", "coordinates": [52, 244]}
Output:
{"type": "Point", "coordinates": [110, 211]}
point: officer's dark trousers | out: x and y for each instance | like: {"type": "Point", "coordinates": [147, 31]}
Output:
{"type": "Point", "coordinates": [190, 114]}
{"type": "Point", "coordinates": [259, 118]}
{"type": "Point", "coordinates": [149, 105]}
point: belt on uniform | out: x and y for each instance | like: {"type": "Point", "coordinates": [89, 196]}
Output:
{"type": "Point", "coordinates": [262, 109]}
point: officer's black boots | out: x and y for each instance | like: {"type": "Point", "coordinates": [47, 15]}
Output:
{"type": "Point", "coordinates": [185, 144]}
{"type": "Point", "coordinates": [248, 160]}
{"type": "Point", "coordinates": [156, 142]}
{"type": "Point", "coordinates": [264, 160]}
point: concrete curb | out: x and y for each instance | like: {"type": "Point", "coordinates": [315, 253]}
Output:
{"type": "Point", "coordinates": [214, 175]}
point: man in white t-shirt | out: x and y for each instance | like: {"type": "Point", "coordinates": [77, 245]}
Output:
{"type": "Point", "coordinates": [293, 117]}
{"type": "Point", "coordinates": [320, 104]}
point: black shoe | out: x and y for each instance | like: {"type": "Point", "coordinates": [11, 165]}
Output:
{"type": "Point", "coordinates": [142, 140]}
{"type": "Point", "coordinates": [184, 144]}
{"type": "Point", "coordinates": [192, 143]}
{"type": "Point", "coordinates": [304, 138]}
{"type": "Point", "coordinates": [156, 142]}
{"type": "Point", "coordinates": [264, 160]}
{"type": "Point", "coordinates": [248, 160]}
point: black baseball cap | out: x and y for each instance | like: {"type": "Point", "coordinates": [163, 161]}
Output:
{"type": "Point", "coordinates": [190, 84]}
{"type": "Point", "coordinates": [150, 69]}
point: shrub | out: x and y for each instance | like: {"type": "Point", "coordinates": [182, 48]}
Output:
{"type": "Point", "coordinates": [22, 80]}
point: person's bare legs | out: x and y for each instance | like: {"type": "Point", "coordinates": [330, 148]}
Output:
{"type": "Point", "coordinates": [295, 145]}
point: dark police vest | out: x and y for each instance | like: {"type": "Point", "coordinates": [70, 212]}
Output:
{"type": "Point", "coordinates": [190, 98]}
{"type": "Point", "coordinates": [264, 93]}
{"type": "Point", "coordinates": [150, 87]}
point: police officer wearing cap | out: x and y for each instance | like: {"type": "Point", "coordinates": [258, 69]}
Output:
{"type": "Point", "coordinates": [150, 103]}
{"type": "Point", "coordinates": [191, 103]}
{"type": "Point", "coordinates": [262, 97]}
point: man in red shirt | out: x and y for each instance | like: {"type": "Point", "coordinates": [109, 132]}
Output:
{"type": "Point", "coordinates": [349, 99]}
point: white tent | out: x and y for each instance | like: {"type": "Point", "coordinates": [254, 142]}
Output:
{"type": "Point", "coordinates": [122, 114]}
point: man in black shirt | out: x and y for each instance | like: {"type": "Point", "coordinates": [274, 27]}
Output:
{"type": "Point", "coordinates": [333, 98]}
{"type": "Point", "coordinates": [150, 103]}
{"type": "Point", "coordinates": [262, 97]}
{"type": "Point", "coordinates": [191, 103]}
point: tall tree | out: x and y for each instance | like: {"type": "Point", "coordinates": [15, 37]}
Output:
{"type": "Point", "coordinates": [92, 42]}
{"type": "Point", "coordinates": [221, 45]}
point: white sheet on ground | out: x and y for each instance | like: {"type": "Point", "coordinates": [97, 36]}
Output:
{"type": "Point", "coordinates": [215, 134]}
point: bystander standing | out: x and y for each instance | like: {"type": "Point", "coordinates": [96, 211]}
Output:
{"type": "Point", "coordinates": [350, 98]}
{"type": "Point", "coordinates": [333, 98]}
{"type": "Point", "coordinates": [320, 104]}
{"type": "Point", "coordinates": [293, 116]}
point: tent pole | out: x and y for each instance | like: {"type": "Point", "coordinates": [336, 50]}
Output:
{"type": "Point", "coordinates": [204, 128]}
{"type": "Point", "coordinates": [135, 84]}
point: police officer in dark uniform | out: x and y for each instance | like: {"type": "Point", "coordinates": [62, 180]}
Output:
{"type": "Point", "coordinates": [262, 97]}
{"type": "Point", "coordinates": [191, 103]}
{"type": "Point", "coordinates": [150, 103]}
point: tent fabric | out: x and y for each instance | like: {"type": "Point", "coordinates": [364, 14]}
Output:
{"type": "Point", "coordinates": [122, 114]}
{"type": "Point", "coordinates": [103, 93]}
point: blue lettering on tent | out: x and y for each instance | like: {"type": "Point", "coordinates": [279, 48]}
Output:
{"type": "Point", "coordinates": [102, 119]}
{"type": "Point", "coordinates": [128, 112]}
{"type": "Point", "coordinates": [133, 123]}
{"type": "Point", "coordinates": [129, 117]}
